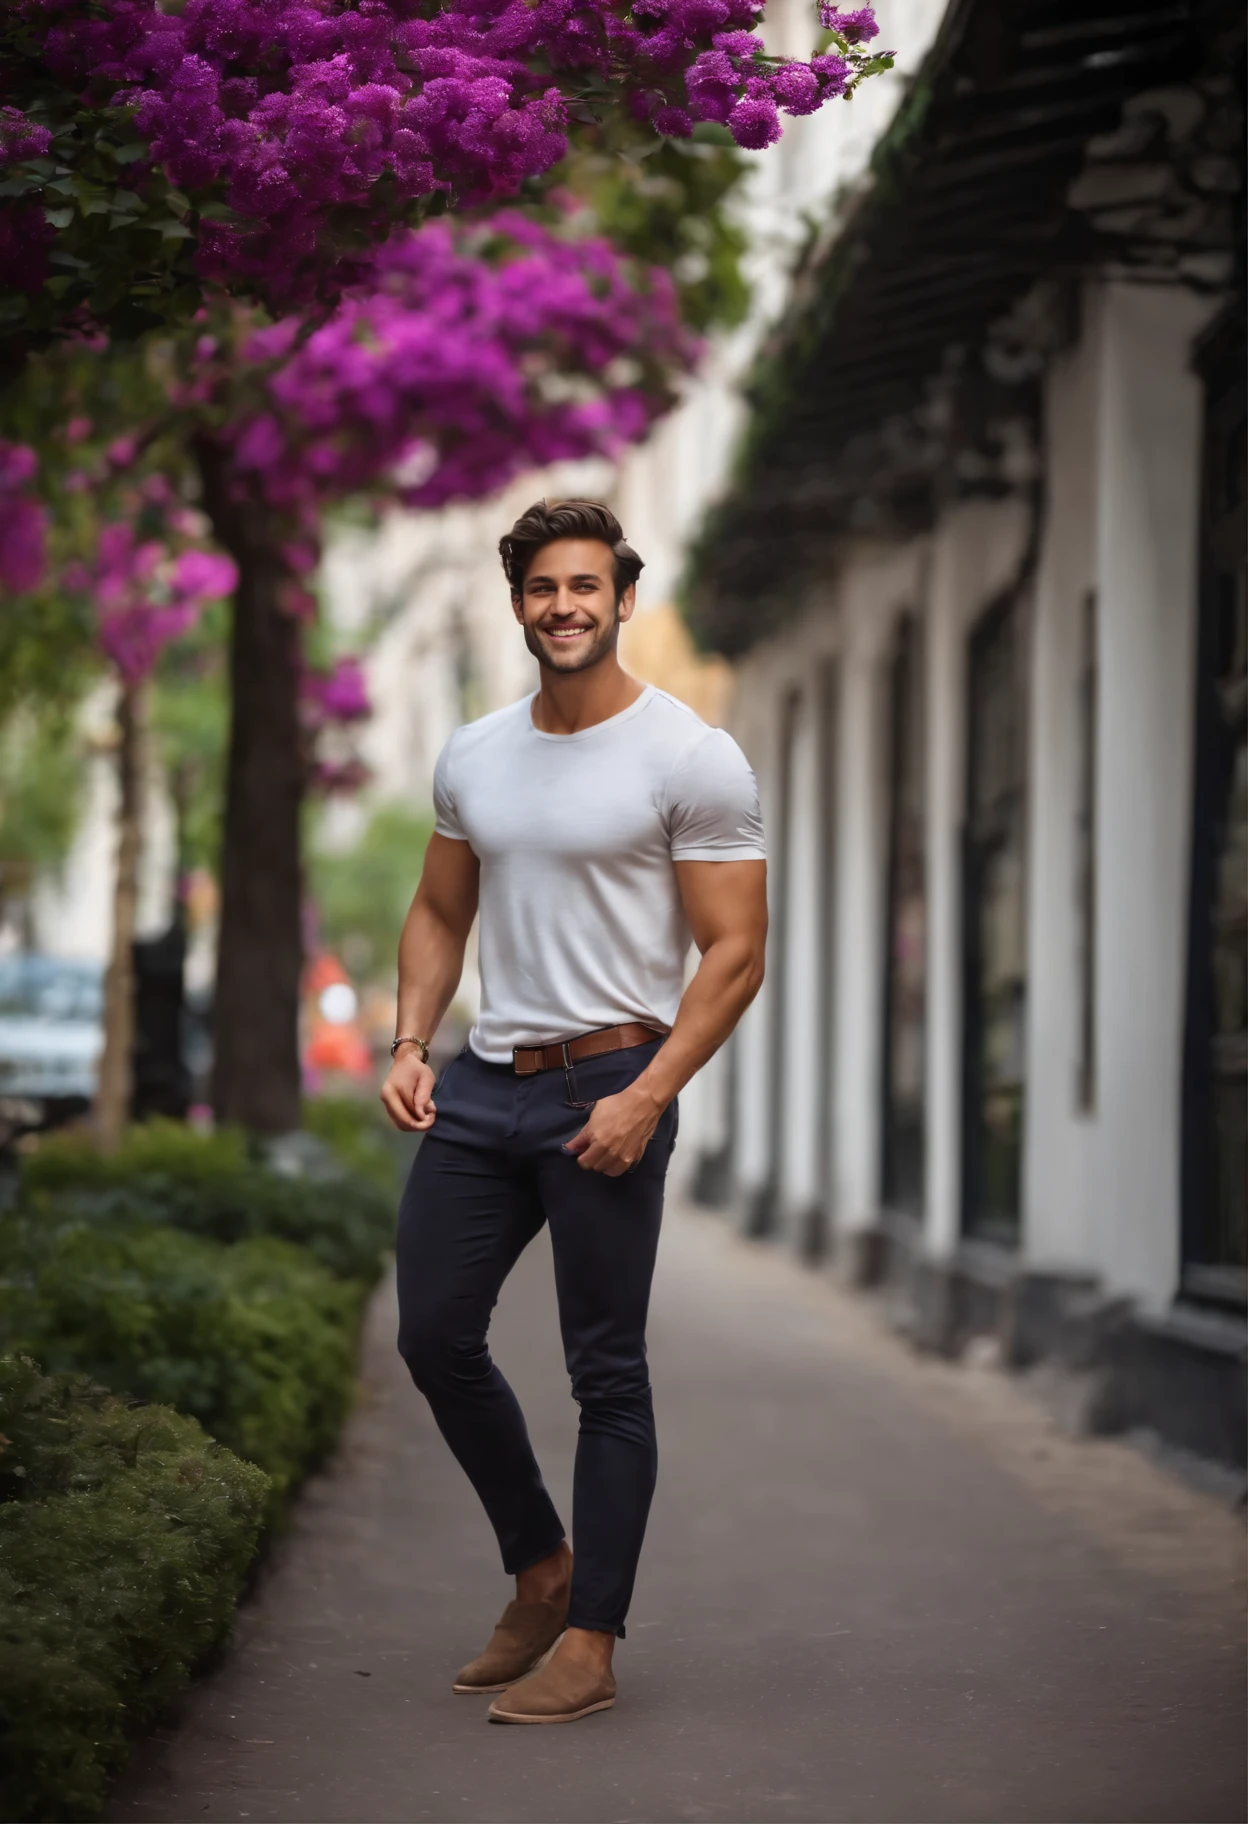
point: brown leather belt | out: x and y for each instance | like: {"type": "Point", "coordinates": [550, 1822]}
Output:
{"type": "Point", "coordinates": [529, 1059]}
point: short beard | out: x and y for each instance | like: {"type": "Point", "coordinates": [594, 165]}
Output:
{"type": "Point", "coordinates": [605, 644]}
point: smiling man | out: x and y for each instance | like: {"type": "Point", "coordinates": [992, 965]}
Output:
{"type": "Point", "coordinates": [599, 826]}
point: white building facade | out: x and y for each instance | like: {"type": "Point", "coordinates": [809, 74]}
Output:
{"type": "Point", "coordinates": [982, 580]}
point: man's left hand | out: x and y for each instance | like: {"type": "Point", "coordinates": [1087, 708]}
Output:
{"type": "Point", "coordinates": [617, 1133]}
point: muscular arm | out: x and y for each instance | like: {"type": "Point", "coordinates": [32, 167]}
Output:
{"type": "Point", "coordinates": [431, 960]}
{"type": "Point", "coordinates": [726, 905]}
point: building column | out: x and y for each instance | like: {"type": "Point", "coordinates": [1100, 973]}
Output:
{"type": "Point", "coordinates": [752, 1140]}
{"type": "Point", "coordinates": [1060, 1125]}
{"type": "Point", "coordinates": [945, 723]}
{"type": "Point", "coordinates": [802, 1121]}
{"type": "Point", "coordinates": [859, 918]}
{"type": "Point", "coordinates": [1148, 483]}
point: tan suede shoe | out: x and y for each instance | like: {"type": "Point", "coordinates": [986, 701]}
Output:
{"type": "Point", "coordinates": [558, 1692]}
{"type": "Point", "coordinates": [526, 1631]}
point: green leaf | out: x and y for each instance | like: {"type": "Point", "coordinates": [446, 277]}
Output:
{"type": "Point", "coordinates": [17, 185]}
{"type": "Point", "coordinates": [127, 155]}
{"type": "Point", "coordinates": [58, 218]}
{"type": "Point", "coordinates": [178, 202]}
{"type": "Point", "coordinates": [217, 212]}
{"type": "Point", "coordinates": [107, 294]}
{"type": "Point", "coordinates": [174, 231]}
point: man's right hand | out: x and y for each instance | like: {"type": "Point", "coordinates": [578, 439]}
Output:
{"type": "Point", "coordinates": [407, 1093]}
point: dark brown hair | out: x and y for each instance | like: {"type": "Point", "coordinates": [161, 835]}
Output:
{"type": "Point", "coordinates": [542, 524]}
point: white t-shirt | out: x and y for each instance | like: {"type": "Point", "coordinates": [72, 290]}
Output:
{"type": "Point", "coordinates": [581, 920]}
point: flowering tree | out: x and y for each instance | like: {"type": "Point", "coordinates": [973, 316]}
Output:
{"type": "Point", "coordinates": [473, 353]}
{"type": "Point", "coordinates": [266, 145]}
{"type": "Point", "coordinates": [146, 592]}
{"type": "Point", "coordinates": [154, 161]}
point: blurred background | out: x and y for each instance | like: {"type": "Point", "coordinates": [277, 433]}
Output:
{"type": "Point", "coordinates": [943, 517]}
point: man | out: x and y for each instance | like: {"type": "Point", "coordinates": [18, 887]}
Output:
{"type": "Point", "coordinates": [599, 824]}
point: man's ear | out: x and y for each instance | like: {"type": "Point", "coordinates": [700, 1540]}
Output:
{"type": "Point", "coordinates": [517, 607]}
{"type": "Point", "coordinates": [628, 601]}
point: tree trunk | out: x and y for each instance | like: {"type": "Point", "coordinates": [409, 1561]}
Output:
{"type": "Point", "coordinates": [112, 1103]}
{"type": "Point", "coordinates": [256, 1079]}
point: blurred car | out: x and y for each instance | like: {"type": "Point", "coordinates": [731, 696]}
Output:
{"type": "Point", "coordinates": [51, 1036]}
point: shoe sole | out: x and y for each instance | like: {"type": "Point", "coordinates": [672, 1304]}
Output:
{"type": "Point", "coordinates": [538, 1663]}
{"type": "Point", "coordinates": [569, 1716]}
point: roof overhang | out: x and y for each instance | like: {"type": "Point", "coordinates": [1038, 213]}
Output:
{"type": "Point", "coordinates": [1040, 141]}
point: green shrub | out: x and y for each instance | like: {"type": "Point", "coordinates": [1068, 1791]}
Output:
{"type": "Point", "coordinates": [125, 1539]}
{"type": "Point", "coordinates": [359, 1137]}
{"type": "Point", "coordinates": [256, 1339]}
{"type": "Point", "coordinates": [212, 1185]}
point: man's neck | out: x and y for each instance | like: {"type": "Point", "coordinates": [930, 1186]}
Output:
{"type": "Point", "coordinates": [566, 704]}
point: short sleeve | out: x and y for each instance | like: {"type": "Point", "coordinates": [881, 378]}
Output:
{"type": "Point", "coordinates": [446, 816]}
{"type": "Point", "coordinates": [712, 803]}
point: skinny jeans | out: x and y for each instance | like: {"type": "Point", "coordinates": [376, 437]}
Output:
{"type": "Point", "coordinates": [488, 1175]}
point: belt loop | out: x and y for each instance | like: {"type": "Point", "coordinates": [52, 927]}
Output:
{"type": "Point", "coordinates": [569, 1078]}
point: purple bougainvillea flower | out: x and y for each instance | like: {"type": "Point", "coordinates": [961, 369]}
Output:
{"type": "Point", "coordinates": [754, 123]}
{"type": "Point", "coordinates": [855, 27]}
{"type": "Point", "coordinates": [23, 521]}
{"type": "Point", "coordinates": [308, 116]}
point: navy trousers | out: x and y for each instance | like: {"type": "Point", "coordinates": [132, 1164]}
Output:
{"type": "Point", "coordinates": [487, 1176]}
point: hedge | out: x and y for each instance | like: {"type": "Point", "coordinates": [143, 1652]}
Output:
{"type": "Point", "coordinates": [361, 1139]}
{"type": "Point", "coordinates": [256, 1340]}
{"type": "Point", "coordinates": [199, 1272]}
{"type": "Point", "coordinates": [125, 1540]}
{"type": "Point", "coordinates": [219, 1187]}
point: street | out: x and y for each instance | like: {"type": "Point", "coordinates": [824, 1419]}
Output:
{"type": "Point", "coordinates": [875, 1587]}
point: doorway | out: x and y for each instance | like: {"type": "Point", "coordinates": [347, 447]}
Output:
{"type": "Point", "coordinates": [1215, 1086]}
{"type": "Point", "coordinates": [994, 924]}
{"type": "Point", "coordinates": [905, 962]}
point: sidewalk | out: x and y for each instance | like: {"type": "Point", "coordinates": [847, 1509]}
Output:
{"type": "Point", "coordinates": [874, 1588]}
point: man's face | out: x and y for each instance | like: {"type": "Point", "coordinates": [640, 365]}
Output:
{"type": "Point", "coordinates": [568, 608]}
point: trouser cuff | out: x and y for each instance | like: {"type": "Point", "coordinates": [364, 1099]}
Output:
{"type": "Point", "coordinates": [526, 1560]}
{"type": "Point", "coordinates": [596, 1627]}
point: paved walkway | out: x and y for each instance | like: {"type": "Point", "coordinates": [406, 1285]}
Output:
{"type": "Point", "coordinates": [874, 1589]}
